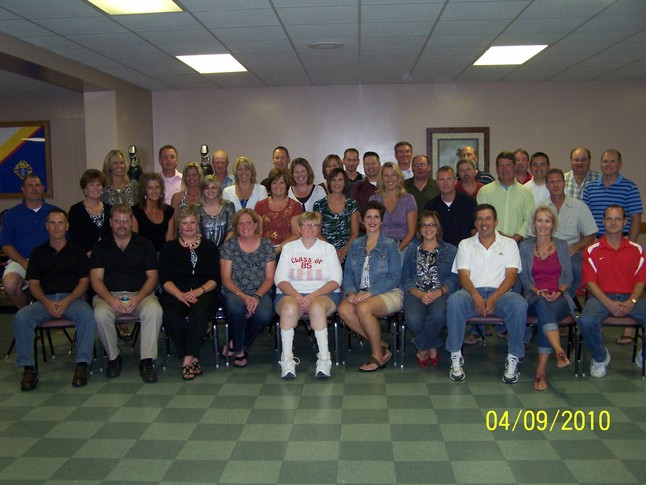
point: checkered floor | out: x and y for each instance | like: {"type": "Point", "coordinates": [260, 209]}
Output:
{"type": "Point", "coordinates": [394, 426]}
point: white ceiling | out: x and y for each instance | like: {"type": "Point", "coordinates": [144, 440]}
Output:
{"type": "Point", "coordinates": [385, 41]}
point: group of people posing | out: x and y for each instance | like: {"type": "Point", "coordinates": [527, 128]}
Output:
{"type": "Point", "coordinates": [363, 245]}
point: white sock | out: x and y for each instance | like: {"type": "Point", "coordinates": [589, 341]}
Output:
{"type": "Point", "coordinates": [287, 339]}
{"type": "Point", "coordinates": [321, 340]}
{"type": "Point", "coordinates": [456, 355]}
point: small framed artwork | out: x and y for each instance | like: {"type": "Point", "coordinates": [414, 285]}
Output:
{"type": "Point", "coordinates": [443, 145]}
{"type": "Point", "coordinates": [24, 149]}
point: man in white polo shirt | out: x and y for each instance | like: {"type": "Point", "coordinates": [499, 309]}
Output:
{"type": "Point", "coordinates": [487, 265]}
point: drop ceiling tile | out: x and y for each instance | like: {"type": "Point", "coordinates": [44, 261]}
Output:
{"type": "Point", "coordinates": [255, 47]}
{"type": "Point", "coordinates": [278, 60]}
{"type": "Point", "coordinates": [329, 31]}
{"type": "Point", "coordinates": [171, 37]}
{"type": "Point", "coordinates": [625, 7]}
{"type": "Point", "coordinates": [545, 9]}
{"type": "Point", "coordinates": [485, 73]}
{"type": "Point", "coordinates": [318, 15]}
{"type": "Point", "coordinates": [238, 18]}
{"type": "Point", "coordinates": [52, 42]}
{"type": "Point", "coordinates": [22, 28]}
{"type": "Point", "coordinates": [158, 21]}
{"type": "Point", "coordinates": [451, 27]}
{"type": "Point", "coordinates": [409, 42]}
{"type": "Point", "coordinates": [460, 40]}
{"type": "Point", "coordinates": [400, 12]}
{"type": "Point", "coordinates": [207, 5]}
{"type": "Point", "coordinates": [86, 25]}
{"type": "Point", "coordinates": [213, 47]}
{"type": "Point", "coordinates": [39, 9]}
{"type": "Point", "coordinates": [544, 26]}
{"type": "Point", "coordinates": [389, 29]}
{"type": "Point", "coordinates": [7, 15]}
{"type": "Point", "coordinates": [130, 51]}
{"type": "Point", "coordinates": [283, 77]}
{"type": "Point", "coordinates": [483, 10]}
{"type": "Point", "coordinates": [624, 24]}
{"type": "Point", "coordinates": [528, 39]}
{"type": "Point", "coordinates": [255, 34]}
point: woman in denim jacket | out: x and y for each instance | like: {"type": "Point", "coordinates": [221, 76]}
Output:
{"type": "Point", "coordinates": [428, 281]}
{"type": "Point", "coordinates": [546, 277]}
{"type": "Point", "coordinates": [371, 285]}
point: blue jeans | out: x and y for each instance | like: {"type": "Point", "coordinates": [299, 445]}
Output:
{"type": "Point", "coordinates": [577, 273]}
{"type": "Point", "coordinates": [511, 307]}
{"type": "Point", "coordinates": [425, 321]}
{"type": "Point", "coordinates": [594, 313]}
{"type": "Point", "coordinates": [548, 313]}
{"type": "Point", "coordinates": [246, 329]}
{"type": "Point", "coordinates": [29, 317]}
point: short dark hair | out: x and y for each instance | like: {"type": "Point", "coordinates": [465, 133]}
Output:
{"type": "Point", "coordinates": [350, 150]}
{"type": "Point", "coordinates": [57, 210]}
{"type": "Point", "coordinates": [121, 209]}
{"type": "Point", "coordinates": [333, 173]}
{"type": "Point", "coordinates": [371, 154]}
{"type": "Point", "coordinates": [280, 147]}
{"type": "Point", "coordinates": [555, 170]}
{"type": "Point", "coordinates": [483, 207]}
{"type": "Point", "coordinates": [167, 147]}
{"type": "Point", "coordinates": [402, 143]}
{"type": "Point", "coordinates": [507, 156]}
{"type": "Point", "coordinates": [275, 174]}
{"type": "Point", "coordinates": [31, 175]}
{"type": "Point", "coordinates": [612, 150]}
{"type": "Point", "coordinates": [539, 154]}
{"type": "Point", "coordinates": [92, 175]}
{"type": "Point", "coordinates": [373, 204]}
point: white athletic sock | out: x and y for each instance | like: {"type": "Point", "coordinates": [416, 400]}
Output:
{"type": "Point", "coordinates": [287, 339]}
{"type": "Point", "coordinates": [321, 340]}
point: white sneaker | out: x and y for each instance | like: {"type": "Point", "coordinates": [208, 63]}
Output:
{"type": "Point", "coordinates": [288, 368]}
{"type": "Point", "coordinates": [457, 373]}
{"type": "Point", "coordinates": [323, 366]}
{"type": "Point", "coordinates": [512, 374]}
{"type": "Point", "coordinates": [638, 359]}
{"type": "Point", "coordinates": [599, 369]}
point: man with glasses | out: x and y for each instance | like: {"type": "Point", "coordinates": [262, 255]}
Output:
{"type": "Point", "coordinates": [614, 274]}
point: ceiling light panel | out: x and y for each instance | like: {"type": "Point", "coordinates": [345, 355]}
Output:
{"type": "Point", "coordinates": [507, 55]}
{"type": "Point", "coordinates": [213, 63]}
{"type": "Point", "coordinates": [131, 7]}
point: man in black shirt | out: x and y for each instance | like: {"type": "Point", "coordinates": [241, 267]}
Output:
{"type": "Point", "coordinates": [58, 279]}
{"type": "Point", "coordinates": [123, 273]}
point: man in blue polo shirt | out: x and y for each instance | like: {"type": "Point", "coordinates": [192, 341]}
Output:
{"type": "Point", "coordinates": [23, 229]}
{"type": "Point", "coordinates": [614, 189]}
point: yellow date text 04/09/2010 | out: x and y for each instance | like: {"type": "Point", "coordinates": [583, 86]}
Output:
{"type": "Point", "coordinates": [552, 420]}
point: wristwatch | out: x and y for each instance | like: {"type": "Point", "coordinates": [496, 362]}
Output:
{"type": "Point", "coordinates": [634, 301]}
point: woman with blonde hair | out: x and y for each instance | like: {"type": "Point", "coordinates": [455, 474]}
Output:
{"type": "Point", "coordinates": [400, 220]}
{"type": "Point", "coordinates": [215, 212]}
{"type": "Point", "coordinates": [190, 193]}
{"type": "Point", "coordinates": [119, 188]}
{"type": "Point", "coordinates": [245, 193]}
{"type": "Point", "coordinates": [546, 277]}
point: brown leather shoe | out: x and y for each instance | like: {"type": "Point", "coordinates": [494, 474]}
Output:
{"type": "Point", "coordinates": [80, 376]}
{"type": "Point", "coordinates": [29, 380]}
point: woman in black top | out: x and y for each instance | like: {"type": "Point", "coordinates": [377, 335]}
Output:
{"type": "Point", "coordinates": [152, 218]}
{"type": "Point", "coordinates": [89, 220]}
{"type": "Point", "coordinates": [189, 274]}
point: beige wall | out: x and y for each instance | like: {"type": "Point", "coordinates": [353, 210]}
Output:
{"type": "Point", "coordinates": [315, 121]}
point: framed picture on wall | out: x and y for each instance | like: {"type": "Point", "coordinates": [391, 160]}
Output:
{"type": "Point", "coordinates": [24, 149]}
{"type": "Point", "coordinates": [443, 145]}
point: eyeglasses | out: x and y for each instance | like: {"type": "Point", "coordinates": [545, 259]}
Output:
{"type": "Point", "coordinates": [310, 224]}
{"type": "Point", "coordinates": [428, 224]}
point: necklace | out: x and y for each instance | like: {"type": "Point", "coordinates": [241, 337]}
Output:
{"type": "Point", "coordinates": [191, 245]}
{"type": "Point", "coordinates": [548, 251]}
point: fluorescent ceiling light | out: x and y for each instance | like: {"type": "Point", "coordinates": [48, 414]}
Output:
{"type": "Point", "coordinates": [212, 63]}
{"type": "Point", "coordinates": [508, 55]}
{"type": "Point", "coordinates": [128, 7]}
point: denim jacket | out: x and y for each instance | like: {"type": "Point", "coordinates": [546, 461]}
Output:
{"type": "Point", "coordinates": [385, 266]}
{"type": "Point", "coordinates": [445, 256]}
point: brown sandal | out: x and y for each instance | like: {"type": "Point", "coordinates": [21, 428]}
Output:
{"type": "Point", "coordinates": [540, 383]}
{"type": "Point", "coordinates": [562, 361]}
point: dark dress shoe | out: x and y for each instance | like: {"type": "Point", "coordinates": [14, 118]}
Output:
{"type": "Point", "coordinates": [29, 380]}
{"type": "Point", "coordinates": [80, 376]}
{"type": "Point", "coordinates": [147, 371]}
{"type": "Point", "coordinates": [114, 368]}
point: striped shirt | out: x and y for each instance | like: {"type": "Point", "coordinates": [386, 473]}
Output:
{"type": "Point", "coordinates": [622, 192]}
{"type": "Point", "coordinates": [572, 188]}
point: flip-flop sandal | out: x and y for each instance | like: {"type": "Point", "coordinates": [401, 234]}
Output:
{"type": "Point", "coordinates": [625, 340]}
{"type": "Point", "coordinates": [196, 368]}
{"type": "Point", "coordinates": [371, 361]}
{"type": "Point", "coordinates": [187, 373]}
{"type": "Point", "coordinates": [240, 361]}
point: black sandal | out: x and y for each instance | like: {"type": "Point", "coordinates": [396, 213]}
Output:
{"type": "Point", "coordinates": [187, 373]}
{"type": "Point", "coordinates": [240, 360]}
{"type": "Point", "coordinates": [196, 369]}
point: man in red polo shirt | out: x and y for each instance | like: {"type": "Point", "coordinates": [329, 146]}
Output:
{"type": "Point", "coordinates": [614, 274]}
